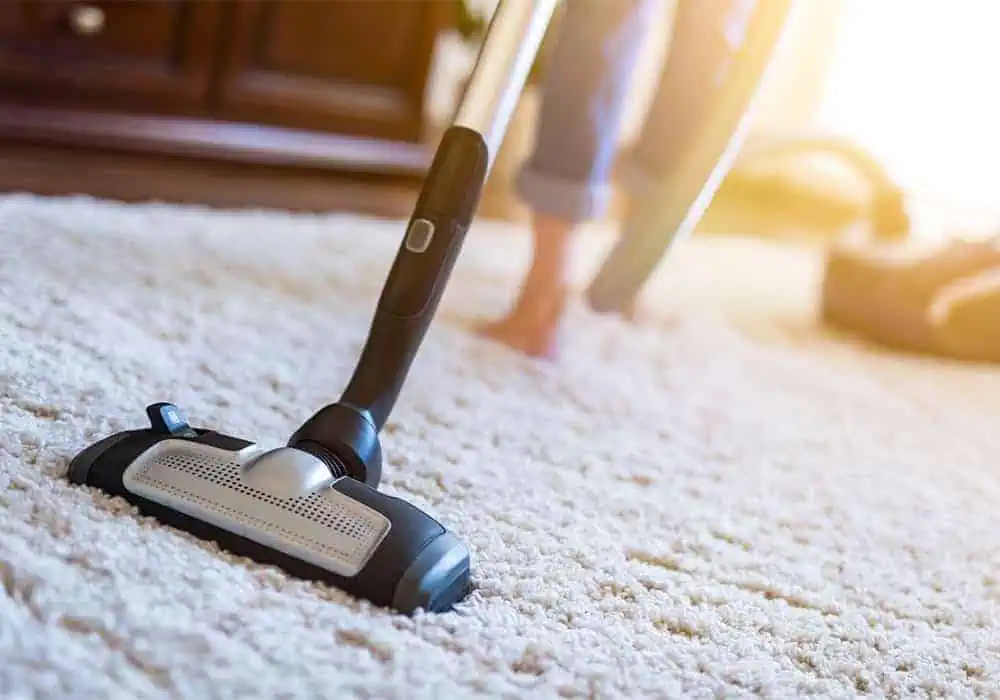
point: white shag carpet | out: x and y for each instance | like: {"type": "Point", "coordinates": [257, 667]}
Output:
{"type": "Point", "coordinates": [721, 501]}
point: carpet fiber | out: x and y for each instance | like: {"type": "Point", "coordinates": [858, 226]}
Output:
{"type": "Point", "coordinates": [720, 501]}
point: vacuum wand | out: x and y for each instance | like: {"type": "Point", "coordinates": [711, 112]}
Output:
{"type": "Point", "coordinates": [446, 206]}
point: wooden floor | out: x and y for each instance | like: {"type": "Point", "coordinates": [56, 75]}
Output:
{"type": "Point", "coordinates": [61, 170]}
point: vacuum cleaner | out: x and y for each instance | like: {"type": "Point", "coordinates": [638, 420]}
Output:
{"type": "Point", "coordinates": [312, 506]}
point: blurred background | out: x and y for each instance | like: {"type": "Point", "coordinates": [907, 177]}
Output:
{"type": "Point", "coordinates": [906, 82]}
{"type": "Point", "coordinates": [914, 82]}
{"type": "Point", "coordinates": [306, 104]}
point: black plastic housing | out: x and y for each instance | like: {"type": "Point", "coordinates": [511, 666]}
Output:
{"type": "Point", "coordinates": [346, 439]}
{"type": "Point", "coordinates": [419, 275]}
{"type": "Point", "coordinates": [419, 565]}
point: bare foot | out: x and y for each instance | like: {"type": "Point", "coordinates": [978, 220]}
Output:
{"type": "Point", "coordinates": [630, 312]}
{"type": "Point", "coordinates": [532, 326]}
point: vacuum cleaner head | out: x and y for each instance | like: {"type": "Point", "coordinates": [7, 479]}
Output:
{"type": "Point", "coordinates": [311, 507]}
{"type": "Point", "coordinates": [283, 507]}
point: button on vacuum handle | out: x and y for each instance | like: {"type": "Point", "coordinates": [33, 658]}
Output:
{"type": "Point", "coordinates": [419, 236]}
{"type": "Point", "coordinates": [423, 264]}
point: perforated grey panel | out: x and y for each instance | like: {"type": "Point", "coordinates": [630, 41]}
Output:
{"type": "Point", "coordinates": [326, 529]}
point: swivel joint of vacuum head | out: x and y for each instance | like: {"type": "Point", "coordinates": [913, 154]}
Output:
{"type": "Point", "coordinates": [345, 439]}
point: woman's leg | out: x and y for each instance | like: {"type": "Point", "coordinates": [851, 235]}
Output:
{"type": "Point", "coordinates": [566, 180]}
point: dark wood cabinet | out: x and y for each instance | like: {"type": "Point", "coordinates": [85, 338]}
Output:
{"type": "Point", "coordinates": [335, 85]}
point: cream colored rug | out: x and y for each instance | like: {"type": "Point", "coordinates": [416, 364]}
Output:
{"type": "Point", "coordinates": [720, 501]}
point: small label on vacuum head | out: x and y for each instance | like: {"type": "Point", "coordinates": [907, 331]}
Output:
{"type": "Point", "coordinates": [173, 419]}
{"type": "Point", "coordinates": [167, 418]}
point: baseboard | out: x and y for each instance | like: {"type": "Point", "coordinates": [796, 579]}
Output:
{"type": "Point", "coordinates": [49, 170]}
{"type": "Point", "coordinates": [214, 140]}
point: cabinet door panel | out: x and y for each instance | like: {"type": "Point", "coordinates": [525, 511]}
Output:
{"type": "Point", "coordinates": [352, 66]}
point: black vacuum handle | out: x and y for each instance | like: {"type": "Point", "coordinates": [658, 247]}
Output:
{"type": "Point", "coordinates": [420, 272]}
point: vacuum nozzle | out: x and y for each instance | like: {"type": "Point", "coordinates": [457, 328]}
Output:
{"type": "Point", "coordinates": [284, 507]}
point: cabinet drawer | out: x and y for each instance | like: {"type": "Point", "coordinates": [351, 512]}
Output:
{"type": "Point", "coordinates": [127, 51]}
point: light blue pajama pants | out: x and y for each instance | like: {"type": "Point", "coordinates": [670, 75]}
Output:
{"type": "Point", "coordinates": [583, 95]}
